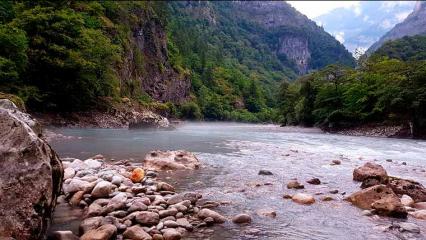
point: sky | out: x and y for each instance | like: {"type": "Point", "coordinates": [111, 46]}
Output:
{"type": "Point", "coordinates": [314, 9]}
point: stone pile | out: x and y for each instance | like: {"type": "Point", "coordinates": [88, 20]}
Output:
{"type": "Point", "coordinates": [124, 201]}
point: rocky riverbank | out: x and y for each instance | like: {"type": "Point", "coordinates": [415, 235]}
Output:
{"type": "Point", "coordinates": [129, 201]}
{"type": "Point", "coordinates": [376, 130]}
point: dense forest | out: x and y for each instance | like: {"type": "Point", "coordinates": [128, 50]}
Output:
{"type": "Point", "coordinates": [74, 56]}
{"type": "Point", "coordinates": [389, 87]}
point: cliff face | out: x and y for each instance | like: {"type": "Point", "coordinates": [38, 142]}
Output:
{"type": "Point", "coordinates": [297, 50]}
{"type": "Point", "coordinates": [414, 24]}
{"type": "Point", "coordinates": [146, 66]}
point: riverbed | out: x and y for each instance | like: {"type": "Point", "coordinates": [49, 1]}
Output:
{"type": "Point", "coordinates": [232, 155]}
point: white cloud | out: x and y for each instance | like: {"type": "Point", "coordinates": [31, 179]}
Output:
{"type": "Point", "coordinates": [402, 15]}
{"type": "Point", "coordinates": [357, 10]}
{"type": "Point", "coordinates": [340, 36]}
{"type": "Point", "coordinates": [314, 9]}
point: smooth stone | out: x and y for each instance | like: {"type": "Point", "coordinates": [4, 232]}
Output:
{"type": "Point", "coordinates": [241, 218]}
{"type": "Point", "coordinates": [327, 198]}
{"type": "Point", "coordinates": [179, 215]}
{"type": "Point", "coordinates": [168, 212]}
{"type": "Point", "coordinates": [76, 198]}
{"type": "Point", "coordinates": [420, 205]}
{"type": "Point", "coordinates": [334, 191]}
{"type": "Point", "coordinates": [170, 224]}
{"type": "Point", "coordinates": [116, 180]}
{"type": "Point", "coordinates": [94, 210]}
{"type": "Point", "coordinates": [69, 173]}
{"type": "Point", "coordinates": [93, 164]}
{"type": "Point", "coordinates": [303, 198]}
{"type": "Point", "coordinates": [102, 189]}
{"type": "Point", "coordinates": [162, 186]}
{"type": "Point", "coordinates": [147, 218]}
{"type": "Point", "coordinates": [183, 222]}
{"type": "Point", "coordinates": [407, 201]}
{"type": "Point", "coordinates": [294, 184]}
{"type": "Point", "coordinates": [137, 205]}
{"type": "Point", "coordinates": [90, 224]}
{"type": "Point", "coordinates": [314, 181]}
{"type": "Point", "coordinates": [336, 162]}
{"type": "Point", "coordinates": [76, 185]}
{"type": "Point", "coordinates": [370, 170]}
{"type": "Point", "coordinates": [136, 233]}
{"type": "Point", "coordinates": [137, 175]}
{"type": "Point", "coordinates": [205, 213]}
{"type": "Point", "coordinates": [104, 232]}
{"type": "Point", "coordinates": [266, 213]}
{"type": "Point", "coordinates": [419, 214]}
{"type": "Point", "coordinates": [171, 234]}
{"type": "Point", "coordinates": [265, 172]}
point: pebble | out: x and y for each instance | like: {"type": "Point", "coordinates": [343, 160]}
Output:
{"type": "Point", "coordinates": [294, 184]}
{"type": "Point", "coordinates": [336, 162]}
{"type": "Point", "coordinates": [265, 172]}
{"type": "Point", "coordinates": [314, 181]}
{"type": "Point", "coordinates": [303, 198]}
{"type": "Point", "coordinates": [241, 218]}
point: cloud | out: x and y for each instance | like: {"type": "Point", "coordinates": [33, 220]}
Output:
{"type": "Point", "coordinates": [314, 9]}
{"type": "Point", "coordinates": [386, 24]}
{"type": "Point", "coordinates": [402, 15]}
{"type": "Point", "coordinates": [357, 10]}
{"type": "Point", "coordinates": [340, 37]}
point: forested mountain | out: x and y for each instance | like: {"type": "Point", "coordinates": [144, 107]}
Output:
{"type": "Point", "coordinates": [361, 25]}
{"type": "Point", "coordinates": [407, 48]}
{"type": "Point", "coordinates": [414, 24]}
{"type": "Point", "coordinates": [217, 60]}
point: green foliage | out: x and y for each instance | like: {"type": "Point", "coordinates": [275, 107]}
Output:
{"type": "Point", "coordinates": [406, 48]}
{"type": "Point", "coordinates": [13, 58]}
{"type": "Point", "coordinates": [190, 110]}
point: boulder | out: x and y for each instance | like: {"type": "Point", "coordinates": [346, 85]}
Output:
{"type": "Point", "coordinates": [147, 218]}
{"type": "Point", "coordinates": [89, 224]}
{"type": "Point", "coordinates": [407, 201]}
{"type": "Point", "coordinates": [370, 170]}
{"type": "Point", "coordinates": [265, 172]}
{"type": "Point", "coordinates": [31, 176]}
{"type": "Point", "coordinates": [314, 181]}
{"type": "Point", "coordinates": [102, 189]}
{"type": "Point", "coordinates": [148, 119]}
{"type": "Point", "coordinates": [420, 214]}
{"type": "Point", "coordinates": [380, 198]}
{"type": "Point", "coordinates": [409, 187]}
{"type": "Point", "coordinates": [303, 198]}
{"type": "Point", "coordinates": [171, 160]}
{"type": "Point", "coordinates": [171, 234]}
{"type": "Point", "coordinates": [162, 186]}
{"type": "Point", "coordinates": [69, 173]}
{"type": "Point", "coordinates": [420, 205]}
{"type": "Point", "coordinates": [241, 218]}
{"type": "Point", "coordinates": [294, 184]}
{"type": "Point", "coordinates": [75, 185]}
{"type": "Point", "coordinates": [104, 232]}
{"type": "Point", "coordinates": [136, 233]}
{"type": "Point", "coordinates": [205, 213]}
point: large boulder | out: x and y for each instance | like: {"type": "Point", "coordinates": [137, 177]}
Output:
{"type": "Point", "coordinates": [408, 187]}
{"type": "Point", "coordinates": [171, 160]}
{"type": "Point", "coordinates": [148, 119]}
{"type": "Point", "coordinates": [380, 198]}
{"type": "Point", "coordinates": [370, 171]}
{"type": "Point", "coordinates": [31, 176]}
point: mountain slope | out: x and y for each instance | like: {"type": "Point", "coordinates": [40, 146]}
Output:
{"type": "Point", "coordinates": [414, 24]}
{"type": "Point", "coordinates": [360, 26]}
{"type": "Point", "coordinates": [238, 52]}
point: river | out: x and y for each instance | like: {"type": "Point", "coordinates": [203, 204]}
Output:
{"type": "Point", "coordinates": [232, 155]}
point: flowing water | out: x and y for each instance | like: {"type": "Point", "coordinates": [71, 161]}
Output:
{"type": "Point", "coordinates": [232, 154]}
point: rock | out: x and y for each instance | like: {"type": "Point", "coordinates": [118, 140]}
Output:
{"type": "Point", "coordinates": [168, 212]}
{"type": "Point", "coordinates": [381, 198]}
{"type": "Point", "coordinates": [93, 164]}
{"type": "Point", "coordinates": [147, 218]}
{"type": "Point", "coordinates": [314, 181]}
{"type": "Point", "coordinates": [265, 172]}
{"type": "Point", "coordinates": [116, 203]}
{"type": "Point", "coordinates": [116, 180]}
{"type": "Point", "coordinates": [89, 224]}
{"type": "Point", "coordinates": [104, 232]}
{"type": "Point", "coordinates": [294, 185]}
{"type": "Point", "coordinates": [148, 119]}
{"type": "Point", "coordinates": [31, 176]}
{"type": "Point", "coordinates": [137, 175]}
{"type": "Point", "coordinates": [171, 234]}
{"type": "Point", "coordinates": [183, 222]}
{"type": "Point", "coordinates": [335, 191]}
{"type": "Point", "coordinates": [407, 200]}
{"type": "Point", "coordinates": [62, 235]}
{"type": "Point", "coordinates": [420, 214]}
{"type": "Point", "coordinates": [409, 187]}
{"type": "Point", "coordinates": [102, 189]}
{"type": "Point", "coordinates": [171, 160]}
{"type": "Point", "coordinates": [136, 233]}
{"type": "Point", "coordinates": [77, 165]}
{"type": "Point", "coordinates": [369, 182]}
{"type": "Point", "coordinates": [420, 205]}
{"type": "Point", "coordinates": [327, 198]}
{"type": "Point", "coordinates": [266, 213]}
{"type": "Point", "coordinates": [157, 237]}
{"type": "Point", "coordinates": [76, 198]}
{"type": "Point", "coordinates": [94, 209]}
{"type": "Point", "coordinates": [98, 157]}
{"type": "Point", "coordinates": [170, 224]}
{"type": "Point", "coordinates": [336, 162]}
{"type": "Point", "coordinates": [137, 205]}
{"type": "Point", "coordinates": [69, 173]}
{"type": "Point", "coordinates": [162, 186]}
{"type": "Point", "coordinates": [205, 213]}
{"type": "Point", "coordinates": [367, 213]}
{"type": "Point", "coordinates": [409, 227]}
{"type": "Point", "coordinates": [241, 218]}
{"type": "Point", "coordinates": [287, 196]}
{"type": "Point", "coordinates": [303, 198]}
{"type": "Point", "coordinates": [370, 170]}
{"type": "Point", "coordinates": [75, 185]}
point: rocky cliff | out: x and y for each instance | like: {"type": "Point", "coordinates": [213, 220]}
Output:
{"type": "Point", "coordinates": [146, 65]}
{"type": "Point", "coordinates": [30, 176]}
{"type": "Point", "coordinates": [414, 24]}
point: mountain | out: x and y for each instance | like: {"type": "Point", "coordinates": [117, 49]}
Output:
{"type": "Point", "coordinates": [408, 48]}
{"type": "Point", "coordinates": [362, 25]}
{"type": "Point", "coordinates": [414, 24]}
{"type": "Point", "coordinates": [239, 51]}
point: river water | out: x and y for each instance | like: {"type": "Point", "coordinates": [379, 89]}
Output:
{"type": "Point", "coordinates": [232, 154]}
